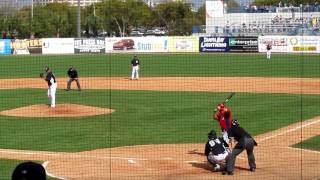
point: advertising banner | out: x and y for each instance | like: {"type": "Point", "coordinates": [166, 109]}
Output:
{"type": "Point", "coordinates": [243, 44]}
{"type": "Point", "coordinates": [82, 45]}
{"type": "Point", "coordinates": [137, 44]}
{"type": "Point", "coordinates": [278, 43]}
{"type": "Point", "coordinates": [183, 44]}
{"type": "Point", "coordinates": [5, 46]}
{"type": "Point", "coordinates": [305, 44]}
{"type": "Point", "coordinates": [213, 44]}
{"type": "Point", "coordinates": [58, 46]}
{"type": "Point", "coordinates": [26, 46]}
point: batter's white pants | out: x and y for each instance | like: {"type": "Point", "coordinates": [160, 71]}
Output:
{"type": "Point", "coordinates": [52, 95]}
{"type": "Point", "coordinates": [135, 72]}
{"type": "Point", "coordinates": [225, 136]}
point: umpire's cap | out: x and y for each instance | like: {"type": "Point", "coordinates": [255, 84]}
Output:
{"type": "Point", "coordinates": [212, 134]}
{"type": "Point", "coordinates": [29, 171]}
{"type": "Point", "coordinates": [235, 122]}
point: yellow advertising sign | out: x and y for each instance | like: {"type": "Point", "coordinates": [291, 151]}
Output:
{"type": "Point", "coordinates": [183, 44]}
{"type": "Point", "coordinates": [29, 45]}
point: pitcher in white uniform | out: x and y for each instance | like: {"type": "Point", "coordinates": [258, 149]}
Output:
{"type": "Point", "coordinates": [52, 87]}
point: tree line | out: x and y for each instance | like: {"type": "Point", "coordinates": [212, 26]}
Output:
{"type": "Point", "coordinates": [109, 18]}
{"type": "Point", "coordinates": [112, 17]}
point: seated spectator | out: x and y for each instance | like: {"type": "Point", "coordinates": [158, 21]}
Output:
{"type": "Point", "coordinates": [4, 35]}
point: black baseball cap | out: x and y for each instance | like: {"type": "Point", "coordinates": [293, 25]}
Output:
{"type": "Point", "coordinates": [29, 171]}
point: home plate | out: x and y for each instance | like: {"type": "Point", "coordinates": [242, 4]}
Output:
{"type": "Point", "coordinates": [131, 161]}
{"type": "Point", "coordinates": [191, 161]}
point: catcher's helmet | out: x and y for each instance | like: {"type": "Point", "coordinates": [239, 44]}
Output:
{"type": "Point", "coordinates": [212, 134]}
{"type": "Point", "coordinates": [46, 69]}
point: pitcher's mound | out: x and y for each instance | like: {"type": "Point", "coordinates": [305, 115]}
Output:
{"type": "Point", "coordinates": [61, 110]}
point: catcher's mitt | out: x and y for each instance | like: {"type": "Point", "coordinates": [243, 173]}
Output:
{"type": "Point", "coordinates": [41, 75]}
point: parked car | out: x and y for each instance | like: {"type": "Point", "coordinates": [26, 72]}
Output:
{"type": "Point", "coordinates": [159, 32]}
{"type": "Point", "coordinates": [123, 44]}
{"type": "Point", "coordinates": [150, 32]}
{"type": "Point", "coordinates": [136, 33]}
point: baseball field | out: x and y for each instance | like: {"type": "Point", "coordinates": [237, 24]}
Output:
{"type": "Point", "coordinates": [156, 127]}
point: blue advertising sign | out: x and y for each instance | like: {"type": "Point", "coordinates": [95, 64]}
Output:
{"type": "Point", "coordinates": [213, 44]}
{"type": "Point", "coordinates": [5, 47]}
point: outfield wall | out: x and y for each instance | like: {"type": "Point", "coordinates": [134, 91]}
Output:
{"type": "Point", "coordinates": [282, 44]}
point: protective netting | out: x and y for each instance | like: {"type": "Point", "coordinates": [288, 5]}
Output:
{"type": "Point", "coordinates": [113, 89]}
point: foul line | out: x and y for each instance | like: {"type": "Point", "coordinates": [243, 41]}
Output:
{"type": "Point", "coordinates": [289, 130]}
{"type": "Point", "coordinates": [305, 150]}
{"type": "Point", "coordinates": [45, 164]}
{"type": "Point", "coordinates": [69, 155]}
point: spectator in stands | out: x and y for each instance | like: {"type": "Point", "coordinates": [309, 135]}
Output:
{"type": "Point", "coordinates": [227, 30]}
{"type": "Point", "coordinates": [4, 35]}
{"type": "Point", "coordinates": [12, 36]}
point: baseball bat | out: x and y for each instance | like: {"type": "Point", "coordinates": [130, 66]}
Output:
{"type": "Point", "coordinates": [227, 99]}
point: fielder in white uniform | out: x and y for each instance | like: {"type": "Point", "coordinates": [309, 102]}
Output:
{"type": "Point", "coordinates": [269, 47]}
{"type": "Point", "coordinates": [52, 87]}
{"type": "Point", "coordinates": [135, 64]}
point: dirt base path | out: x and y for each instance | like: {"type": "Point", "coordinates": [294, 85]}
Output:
{"type": "Point", "coordinates": [275, 159]}
{"type": "Point", "coordinates": [210, 84]}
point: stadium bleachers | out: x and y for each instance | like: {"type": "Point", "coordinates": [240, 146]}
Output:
{"type": "Point", "coordinates": [256, 21]}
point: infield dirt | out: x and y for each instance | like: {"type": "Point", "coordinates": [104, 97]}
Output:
{"type": "Point", "coordinates": [275, 158]}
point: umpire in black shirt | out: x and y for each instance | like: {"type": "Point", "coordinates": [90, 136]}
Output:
{"type": "Point", "coordinates": [73, 76]}
{"type": "Point", "coordinates": [244, 142]}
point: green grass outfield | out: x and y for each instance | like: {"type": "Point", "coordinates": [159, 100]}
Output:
{"type": "Point", "coordinates": [311, 144]}
{"type": "Point", "coordinates": [143, 117]}
{"type": "Point", "coordinates": [293, 65]}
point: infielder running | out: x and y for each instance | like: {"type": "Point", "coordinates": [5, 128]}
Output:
{"type": "Point", "coordinates": [135, 64]}
{"type": "Point", "coordinates": [52, 87]}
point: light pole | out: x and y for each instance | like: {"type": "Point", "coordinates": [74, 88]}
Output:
{"type": "Point", "coordinates": [31, 9]}
{"type": "Point", "coordinates": [79, 21]}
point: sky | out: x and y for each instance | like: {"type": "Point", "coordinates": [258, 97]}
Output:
{"type": "Point", "coordinates": [15, 3]}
